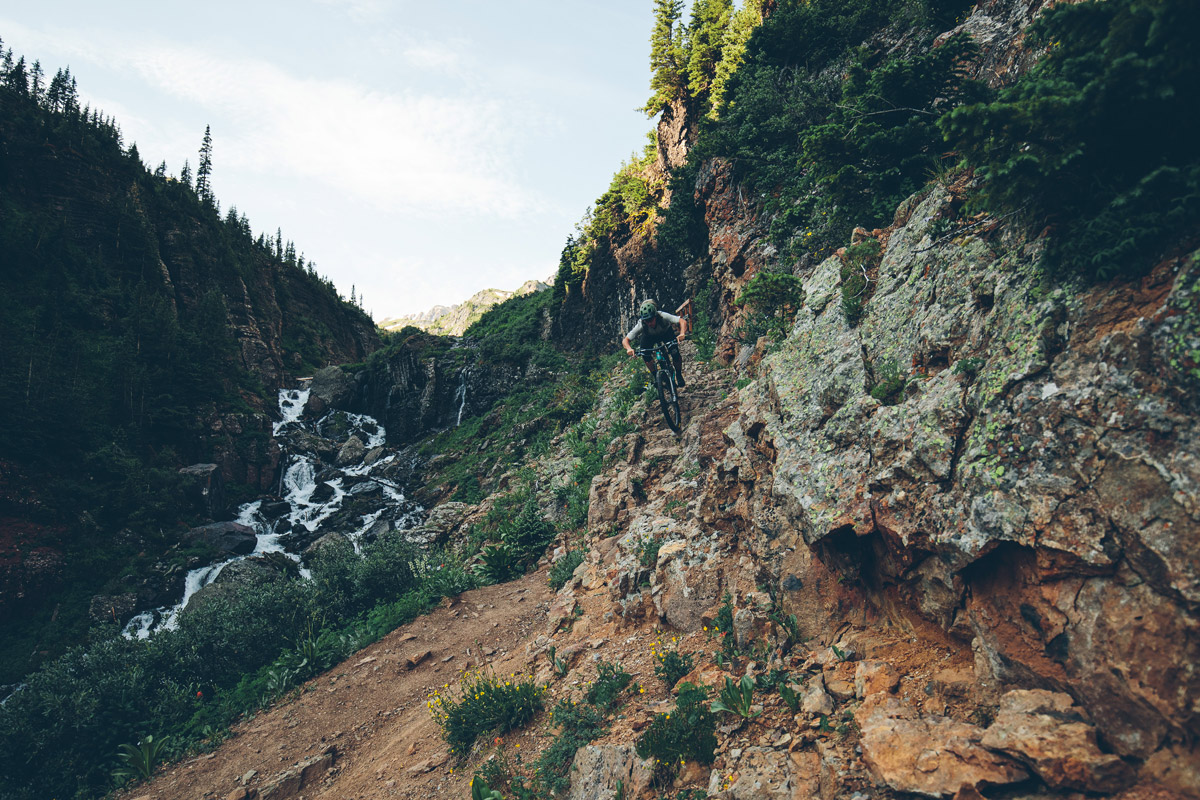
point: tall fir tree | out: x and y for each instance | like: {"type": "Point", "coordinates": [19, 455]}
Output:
{"type": "Point", "coordinates": [203, 185]}
{"type": "Point", "coordinates": [185, 174]}
{"type": "Point", "coordinates": [667, 56]}
{"type": "Point", "coordinates": [706, 37]}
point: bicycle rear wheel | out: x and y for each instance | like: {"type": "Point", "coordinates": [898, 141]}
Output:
{"type": "Point", "coordinates": [668, 399]}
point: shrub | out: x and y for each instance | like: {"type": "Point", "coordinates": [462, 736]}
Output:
{"type": "Point", "coordinates": [564, 568]}
{"type": "Point", "coordinates": [670, 665]}
{"type": "Point", "coordinates": [689, 732]}
{"type": "Point", "coordinates": [858, 259]}
{"type": "Point", "coordinates": [775, 297]}
{"type": "Point", "coordinates": [610, 681]}
{"type": "Point", "coordinates": [1088, 141]}
{"type": "Point", "coordinates": [485, 703]}
{"type": "Point", "coordinates": [578, 725]}
{"type": "Point", "coordinates": [889, 382]}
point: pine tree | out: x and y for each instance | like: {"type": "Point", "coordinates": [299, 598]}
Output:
{"type": "Point", "coordinates": [35, 81]}
{"type": "Point", "coordinates": [203, 188]}
{"type": "Point", "coordinates": [706, 37]}
{"type": "Point", "coordinates": [745, 20]}
{"type": "Point", "coordinates": [185, 174]}
{"type": "Point", "coordinates": [17, 79]}
{"type": "Point", "coordinates": [353, 297]}
{"type": "Point", "coordinates": [667, 57]}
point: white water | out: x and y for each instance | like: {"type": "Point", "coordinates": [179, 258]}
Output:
{"type": "Point", "coordinates": [460, 394]}
{"type": "Point", "coordinates": [299, 483]}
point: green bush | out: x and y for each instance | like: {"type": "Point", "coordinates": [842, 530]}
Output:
{"type": "Point", "coordinates": [610, 681]}
{"type": "Point", "coordinates": [670, 665]}
{"type": "Point", "coordinates": [578, 725]}
{"type": "Point", "coordinates": [564, 568]}
{"type": "Point", "coordinates": [737, 698]}
{"type": "Point", "coordinates": [1094, 140]}
{"type": "Point", "coordinates": [857, 261]}
{"type": "Point", "coordinates": [889, 382]}
{"type": "Point", "coordinates": [776, 297]}
{"type": "Point", "coordinates": [689, 732]}
{"type": "Point", "coordinates": [485, 703]}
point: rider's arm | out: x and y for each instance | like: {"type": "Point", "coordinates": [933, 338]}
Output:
{"type": "Point", "coordinates": [628, 345]}
{"type": "Point", "coordinates": [683, 328]}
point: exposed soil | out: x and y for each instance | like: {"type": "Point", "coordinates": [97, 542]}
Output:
{"type": "Point", "coordinates": [371, 708]}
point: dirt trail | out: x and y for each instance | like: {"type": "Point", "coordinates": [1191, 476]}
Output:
{"type": "Point", "coordinates": [371, 710]}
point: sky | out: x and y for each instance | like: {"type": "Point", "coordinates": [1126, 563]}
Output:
{"type": "Point", "coordinates": [417, 151]}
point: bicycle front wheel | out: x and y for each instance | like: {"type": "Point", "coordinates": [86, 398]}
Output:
{"type": "Point", "coordinates": [668, 399]}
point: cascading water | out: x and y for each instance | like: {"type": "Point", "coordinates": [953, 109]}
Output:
{"type": "Point", "coordinates": [313, 496]}
{"type": "Point", "coordinates": [460, 394]}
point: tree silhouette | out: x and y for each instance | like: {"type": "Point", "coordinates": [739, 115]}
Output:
{"type": "Point", "coordinates": [203, 186]}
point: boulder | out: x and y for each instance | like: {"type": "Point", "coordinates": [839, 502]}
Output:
{"type": "Point", "coordinates": [333, 387]}
{"type": "Point", "coordinates": [231, 538]}
{"type": "Point", "coordinates": [928, 755]}
{"type": "Point", "coordinates": [762, 772]}
{"type": "Point", "coordinates": [204, 489]}
{"type": "Point", "coordinates": [1046, 731]}
{"type": "Point", "coordinates": [598, 771]}
{"type": "Point", "coordinates": [874, 677]}
{"type": "Point", "coordinates": [351, 452]}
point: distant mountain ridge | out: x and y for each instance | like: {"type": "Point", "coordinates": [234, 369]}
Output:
{"type": "Point", "coordinates": [454, 320]}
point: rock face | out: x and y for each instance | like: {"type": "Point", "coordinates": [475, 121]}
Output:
{"type": "Point", "coordinates": [1033, 489]}
{"type": "Point", "coordinates": [931, 756]}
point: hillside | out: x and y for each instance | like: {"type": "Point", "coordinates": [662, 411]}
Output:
{"type": "Point", "coordinates": [929, 527]}
{"type": "Point", "coordinates": [142, 332]}
{"type": "Point", "coordinates": [454, 320]}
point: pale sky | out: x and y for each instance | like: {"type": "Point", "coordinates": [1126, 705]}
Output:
{"type": "Point", "coordinates": [419, 152]}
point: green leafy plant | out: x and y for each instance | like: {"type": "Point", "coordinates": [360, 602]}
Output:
{"type": "Point", "coordinates": [140, 759]}
{"type": "Point", "coordinates": [610, 681]}
{"type": "Point", "coordinates": [688, 732]}
{"type": "Point", "coordinates": [857, 260]}
{"type": "Point", "coordinates": [484, 703]}
{"type": "Point", "coordinates": [889, 382]}
{"type": "Point", "coordinates": [967, 367]}
{"type": "Point", "coordinates": [647, 551]}
{"type": "Point", "coordinates": [670, 665]}
{"type": "Point", "coordinates": [560, 665]}
{"type": "Point", "coordinates": [577, 725]}
{"type": "Point", "coordinates": [790, 696]}
{"type": "Point", "coordinates": [737, 698]}
{"type": "Point", "coordinates": [776, 297]}
{"type": "Point", "coordinates": [481, 791]}
{"type": "Point", "coordinates": [498, 563]}
{"type": "Point", "coordinates": [564, 568]}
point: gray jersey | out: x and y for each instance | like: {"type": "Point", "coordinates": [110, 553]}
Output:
{"type": "Point", "coordinates": [663, 333]}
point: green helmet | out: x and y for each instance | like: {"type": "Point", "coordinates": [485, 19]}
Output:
{"type": "Point", "coordinates": [648, 309]}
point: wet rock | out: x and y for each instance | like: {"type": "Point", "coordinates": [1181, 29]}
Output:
{"type": "Point", "coordinates": [1046, 731]}
{"type": "Point", "coordinates": [928, 755]}
{"type": "Point", "coordinates": [232, 538]}
{"type": "Point", "coordinates": [204, 489]}
{"type": "Point", "coordinates": [351, 452]}
{"type": "Point", "coordinates": [333, 387]}
{"type": "Point", "coordinates": [274, 509]}
{"type": "Point", "coordinates": [113, 609]}
{"type": "Point", "coordinates": [598, 770]}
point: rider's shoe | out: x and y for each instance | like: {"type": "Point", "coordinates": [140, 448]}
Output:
{"type": "Point", "coordinates": [681, 383]}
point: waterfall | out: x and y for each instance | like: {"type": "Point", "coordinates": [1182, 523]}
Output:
{"type": "Point", "coordinates": [460, 394]}
{"type": "Point", "coordinates": [312, 492]}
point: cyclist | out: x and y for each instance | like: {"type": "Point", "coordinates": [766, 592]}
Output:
{"type": "Point", "coordinates": [653, 328]}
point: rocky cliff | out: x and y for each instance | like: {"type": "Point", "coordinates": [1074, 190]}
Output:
{"type": "Point", "coordinates": [454, 320]}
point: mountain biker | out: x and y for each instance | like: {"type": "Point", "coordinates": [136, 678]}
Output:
{"type": "Point", "coordinates": [655, 327]}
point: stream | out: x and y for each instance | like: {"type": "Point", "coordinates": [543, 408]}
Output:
{"type": "Point", "coordinates": [337, 477]}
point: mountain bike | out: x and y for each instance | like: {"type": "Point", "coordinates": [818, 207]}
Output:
{"type": "Point", "coordinates": [666, 380]}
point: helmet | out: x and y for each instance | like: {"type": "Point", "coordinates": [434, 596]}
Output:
{"type": "Point", "coordinates": [648, 309]}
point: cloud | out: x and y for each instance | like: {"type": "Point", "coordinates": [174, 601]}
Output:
{"type": "Point", "coordinates": [407, 151]}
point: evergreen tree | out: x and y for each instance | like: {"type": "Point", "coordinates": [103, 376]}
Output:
{"type": "Point", "coordinates": [745, 20]}
{"type": "Point", "coordinates": [17, 79]}
{"type": "Point", "coordinates": [161, 170]}
{"type": "Point", "coordinates": [667, 56]}
{"type": "Point", "coordinates": [185, 174]}
{"type": "Point", "coordinates": [203, 188]}
{"type": "Point", "coordinates": [35, 81]}
{"type": "Point", "coordinates": [353, 297]}
{"type": "Point", "coordinates": [706, 37]}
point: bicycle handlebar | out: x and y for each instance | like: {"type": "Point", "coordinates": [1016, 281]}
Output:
{"type": "Point", "coordinates": [645, 351]}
